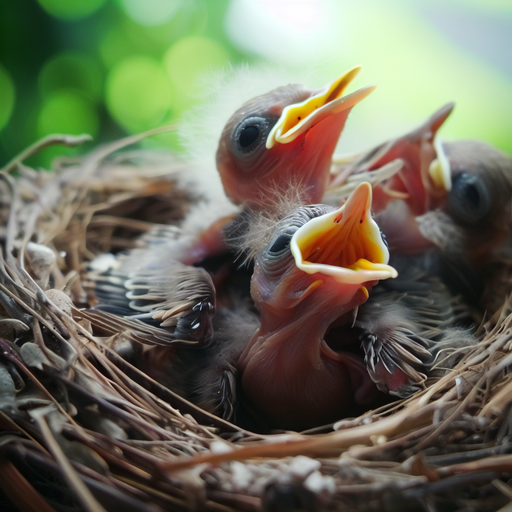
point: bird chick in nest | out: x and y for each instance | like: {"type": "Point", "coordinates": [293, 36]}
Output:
{"type": "Point", "coordinates": [451, 200]}
{"type": "Point", "coordinates": [319, 264]}
{"type": "Point", "coordinates": [404, 329]}
{"type": "Point", "coordinates": [282, 137]}
{"type": "Point", "coordinates": [446, 217]}
{"type": "Point", "coordinates": [285, 137]}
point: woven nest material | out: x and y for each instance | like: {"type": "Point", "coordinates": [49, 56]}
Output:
{"type": "Point", "coordinates": [82, 429]}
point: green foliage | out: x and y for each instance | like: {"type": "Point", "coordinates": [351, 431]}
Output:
{"type": "Point", "coordinates": [104, 67]}
{"type": "Point", "coordinates": [111, 67]}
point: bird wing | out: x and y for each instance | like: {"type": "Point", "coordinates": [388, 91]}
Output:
{"type": "Point", "coordinates": [403, 325]}
{"type": "Point", "coordinates": [146, 287]}
{"type": "Point", "coordinates": [214, 387]}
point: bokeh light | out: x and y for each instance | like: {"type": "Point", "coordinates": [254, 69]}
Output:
{"type": "Point", "coordinates": [132, 65]}
{"type": "Point", "coordinates": [71, 9]}
{"type": "Point", "coordinates": [7, 96]}
{"type": "Point", "coordinates": [151, 12]}
{"type": "Point", "coordinates": [138, 93]}
{"type": "Point", "coordinates": [116, 45]}
{"type": "Point", "coordinates": [417, 78]}
{"type": "Point", "coordinates": [67, 111]}
{"type": "Point", "coordinates": [71, 70]}
{"type": "Point", "coordinates": [189, 59]}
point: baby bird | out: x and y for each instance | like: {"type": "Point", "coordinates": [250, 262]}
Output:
{"type": "Point", "coordinates": [161, 300]}
{"type": "Point", "coordinates": [446, 218]}
{"type": "Point", "coordinates": [452, 197]}
{"type": "Point", "coordinates": [281, 139]}
{"type": "Point", "coordinates": [317, 267]}
{"type": "Point", "coordinates": [284, 137]}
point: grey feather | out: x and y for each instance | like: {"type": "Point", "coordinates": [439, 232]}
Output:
{"type": "Point", "coordinates": [407, 324]}
{"type": "Point", "coordinates": [148, 286]}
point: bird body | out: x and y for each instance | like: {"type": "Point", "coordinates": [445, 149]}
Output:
{"type": "Point", "coordinates": [318, 266]}
{"type": "Point", "coordinates": [313, 274]}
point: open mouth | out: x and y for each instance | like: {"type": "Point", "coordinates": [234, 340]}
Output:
{"type": "Point", "coordinates": [300, 117]}
{"type": "Point", "coordinates": [439, 169]}
{"type": "Point", "coordinates": [345, 244]}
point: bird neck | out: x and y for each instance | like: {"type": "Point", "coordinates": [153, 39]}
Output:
{"type": "Point", "coordinates": [297, 327]}
{"type": "Point", "coordinates": [298, 339]}
{"type": "Point", "coordinates": [292, 377]}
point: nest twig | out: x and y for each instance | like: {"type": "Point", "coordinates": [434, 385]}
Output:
{"type": "Point", "coordinates": [83, 429]}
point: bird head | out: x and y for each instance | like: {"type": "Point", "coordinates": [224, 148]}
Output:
{"type": "Point", "coordinates": [321, 260]}
{"type": "Point", "coordinates": [284, 137]}
{"type": "Point", "coordinates": [318, 266]}
{"type": "Point", "coordinates": [425, 172]}
{"type": "Point", "coordinates": [475, 212]}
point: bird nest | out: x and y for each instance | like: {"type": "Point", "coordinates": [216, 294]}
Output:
{"type": "Point", "coordinates": [83, 429]}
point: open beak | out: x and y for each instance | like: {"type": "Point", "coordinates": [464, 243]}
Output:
{"type": "Point", "coordinates": [439, 169]}
{"type": "Point", "coordinates": [298, 118]}
{"type": "Point", "coordinates": [345, 244]}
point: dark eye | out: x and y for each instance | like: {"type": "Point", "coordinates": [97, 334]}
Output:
{"type": "Point", "coordinates": [248, 135]}
{"type": "Point", "coordinates": [469, 198]}
{"type": "Point", "coordinates": [282, 242]}
{"type": "Point", "coordinates": [251, 133]}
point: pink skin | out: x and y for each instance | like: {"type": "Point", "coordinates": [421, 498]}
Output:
{"type": "Point", "coordinates": [412, 182]}
{"type": "Point", "coordinates": [288, 370]}
{"type": "Point", "coordinates": [410, 192]}
{"type": "Point", "coordinates": [305, 162]}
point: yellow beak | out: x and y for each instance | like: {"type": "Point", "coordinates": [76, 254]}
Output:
{"type": "Point", "coordinates": [440, 170]}
{"type": "Point", "coordinates": [298, 118]}
{"type": "Point", "coordinates": [345, 244]}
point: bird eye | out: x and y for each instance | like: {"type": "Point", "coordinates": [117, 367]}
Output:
{"type": "Point", "coordinates": [250, 133]}
{"type": "Point", "coordinates": [282, 242]}
{"type": "Point", "coordinates": [469, 198]}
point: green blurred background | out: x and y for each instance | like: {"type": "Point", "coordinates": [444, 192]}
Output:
{"type": "Point", "coordinates": [111, 67]}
